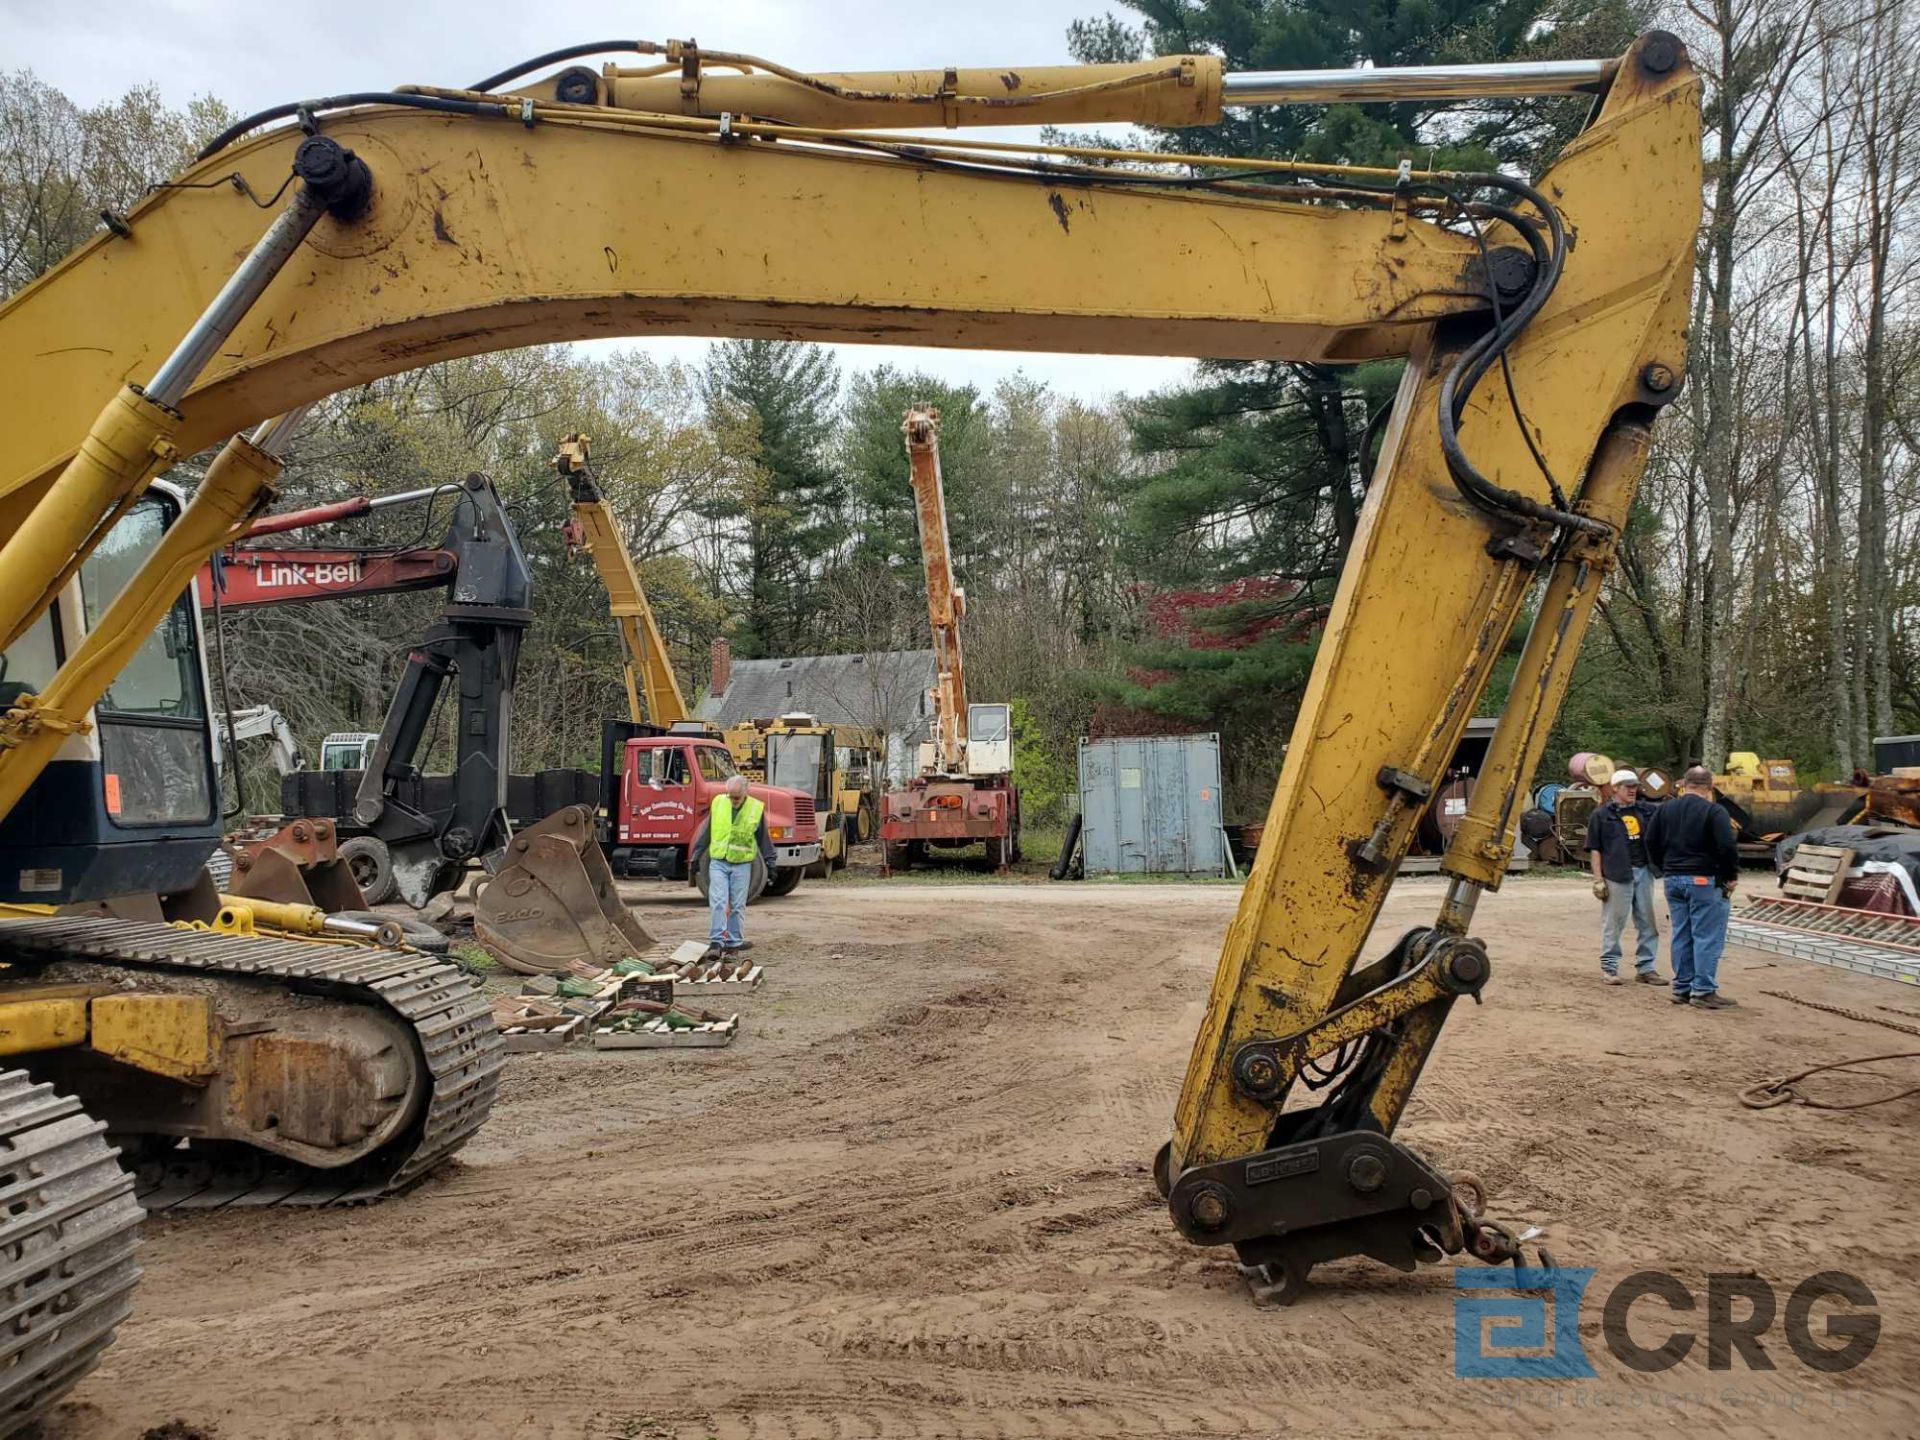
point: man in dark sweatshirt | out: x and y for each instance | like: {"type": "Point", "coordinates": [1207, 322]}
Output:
{"type": "Point", "coordinates": [1690, 842]}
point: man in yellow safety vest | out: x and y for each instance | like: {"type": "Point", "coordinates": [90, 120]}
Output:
{"type": "Point", "coordinates": [736, 831]}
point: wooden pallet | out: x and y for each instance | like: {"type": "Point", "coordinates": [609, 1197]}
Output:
{"type": "Point", "coordinates": [740, 985]}
{"type": "Point", "coordinates": [685, 963]}
{"type": "Point", "coordinates": [538, 1019]}
{"type": "Point", "coordinates": [656, 1036]}
{"type": "Point", "coordinates": [1817, 874]}
{"type": "Point", "coordinates": [550, 1033]}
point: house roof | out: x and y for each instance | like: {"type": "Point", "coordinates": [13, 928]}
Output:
{"type": "Point", "coordinates": [885, 688]}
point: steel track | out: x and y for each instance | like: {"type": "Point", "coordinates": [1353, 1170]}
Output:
{"type": "Point", "coordinates": [462, 1051]}
{"type": "Point", "coordinates": [68, 1228]}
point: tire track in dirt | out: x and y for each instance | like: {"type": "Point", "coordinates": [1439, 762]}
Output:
{"type": "Point", "coordinates": [913, 1201]}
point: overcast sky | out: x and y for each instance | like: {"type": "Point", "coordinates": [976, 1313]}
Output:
{"type": "Point", "coordinates": [256, 53]}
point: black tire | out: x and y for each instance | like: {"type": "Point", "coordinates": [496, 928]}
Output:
{"type": "Point", "coordinates": [1015, 856]}
{"type": "Point", "coordinates": [1063, 862]}
{"type": "Point", "coordinates": [755, 887]}
{"type": "Point", "coordinates": [863, 826]}
{"type": "Point", "coordinates": [899, 854]}
{"type": "Point", "coordinates": [420, 935]}
{"type": "Point", "coordinates": [372, 867]}
{"type": "Point", "coordinates": [784, 881]}
{"type": "Point", "coordinates": [998, 848]}
{"type": "Point", "coordinates": [847, 827]}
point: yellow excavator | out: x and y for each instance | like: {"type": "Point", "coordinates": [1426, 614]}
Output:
{"type": "Point", "coordinates": [325, 242]}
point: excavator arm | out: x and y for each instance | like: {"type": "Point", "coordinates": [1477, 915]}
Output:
{"type": "Point", "coordinates": [430, 224]}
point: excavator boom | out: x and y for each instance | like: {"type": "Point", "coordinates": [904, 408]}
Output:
{"type": "Point", "coordinates": [427, 224]}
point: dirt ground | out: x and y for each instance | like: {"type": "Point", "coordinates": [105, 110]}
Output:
{"type": "Point", "coordinates": [913, 1201]}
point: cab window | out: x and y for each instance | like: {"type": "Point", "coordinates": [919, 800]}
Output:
{"type": "Point", "coordinates": [30, 662]}
{"type": "Point", "coordinates": [715, 763]}
{"type": "Point", "coordinates": [988, 724]}
{"type": "Point", "coordinates": [667, 765]}
{"type": "Point", "coordinates": [155, 754]}
{"type": "Point", "coordinates": [162, 678]}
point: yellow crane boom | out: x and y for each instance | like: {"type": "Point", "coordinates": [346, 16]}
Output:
{"type": "Point", "coordinates": [653, 691]}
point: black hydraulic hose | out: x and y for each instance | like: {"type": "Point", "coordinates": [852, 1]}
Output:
{"type": "Point", "coordinates": [1473, 364]}
{"type": "Point", "coordinates": [570, 52]}
{"type": "Point", "coordinates": [1531, 231]}
{"type": "Point", "coordinates": [486, 109]}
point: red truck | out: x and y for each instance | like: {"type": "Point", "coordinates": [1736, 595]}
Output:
{"type": "Point", "coordinates": [666, 784]}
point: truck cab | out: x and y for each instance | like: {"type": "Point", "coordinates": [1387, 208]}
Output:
{"type": "Point", "coordinates": [668, 783]}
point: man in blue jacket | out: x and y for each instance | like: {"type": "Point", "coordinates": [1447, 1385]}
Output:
{"type": "Point", "coordinates": [1690, 841]}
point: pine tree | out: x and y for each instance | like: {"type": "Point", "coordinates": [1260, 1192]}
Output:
{"type": "Point", "coordinates": [1258, 470]}
{"type": "Point", "coordinates": [874, 458]}
{"type": "Point", "coordinates": [790, 506]}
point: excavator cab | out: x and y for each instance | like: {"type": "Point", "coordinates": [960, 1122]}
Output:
{"type": "Point", "coordinates": [130, 805]}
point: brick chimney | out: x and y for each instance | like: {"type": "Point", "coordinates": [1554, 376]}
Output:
{"type": "Point", "coordinates": [721, 667]}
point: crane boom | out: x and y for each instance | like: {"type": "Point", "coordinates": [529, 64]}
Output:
{"type": "Point", "coordinates": [653, 690]}
{"type": "Point", "coordinates": [946, 601]}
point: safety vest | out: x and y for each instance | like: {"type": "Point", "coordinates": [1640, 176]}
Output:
{"type": "Point", "coordinates": [735, 837]}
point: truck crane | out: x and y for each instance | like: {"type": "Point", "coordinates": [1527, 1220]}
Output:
{"type": "Point", "coordinates": [964, 788]}
{"type": "Point", "coordinates": [425, 223]}
{"type": "Point", "coordinates": [662, 768]}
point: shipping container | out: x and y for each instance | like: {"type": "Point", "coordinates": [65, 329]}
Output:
{"type": "Point", "coordinates": [1152, 806]}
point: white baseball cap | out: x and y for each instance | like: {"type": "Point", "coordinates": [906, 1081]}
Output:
{"type": "Point", "coordinates": [1624, 777]}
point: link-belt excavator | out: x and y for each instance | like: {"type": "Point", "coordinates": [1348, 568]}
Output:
{"type": "Point", "coordinates": [717, 193]}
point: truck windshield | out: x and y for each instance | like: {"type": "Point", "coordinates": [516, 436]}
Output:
{"type": "Point", "coordinates": [793, 762]}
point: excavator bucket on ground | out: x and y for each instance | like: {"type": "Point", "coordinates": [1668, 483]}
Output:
{"type": "Point", "coordinates": [551, 900]}
{"type": "Point", "coordinates": [299, 864]}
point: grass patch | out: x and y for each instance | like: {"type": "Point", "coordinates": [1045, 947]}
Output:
{"type": "Point", "coordinates": [474, 959]}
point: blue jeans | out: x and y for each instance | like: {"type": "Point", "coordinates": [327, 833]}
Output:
{"type": "Point", "coordinates": [1698, 913]}
{"type": "Point", "coordinates": [1634, 899]}
{"type": "Point", "coordinates": [727, 882]}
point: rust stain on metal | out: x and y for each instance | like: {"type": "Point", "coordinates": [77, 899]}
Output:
{"type": "Point", "coordinates": [440, 230]}
{"type": "Point", "coordinates": [1011, 79]}
{"type": "Point", "coordinates": [1059, 210]}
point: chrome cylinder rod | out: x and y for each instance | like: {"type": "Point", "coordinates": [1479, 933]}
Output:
{"type": "Point", "coordinates": [1416, 82]}
{"type": "Point", "coordinates": [273, 436]}
{"type": "Point", "coordinates": [175, 377]}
